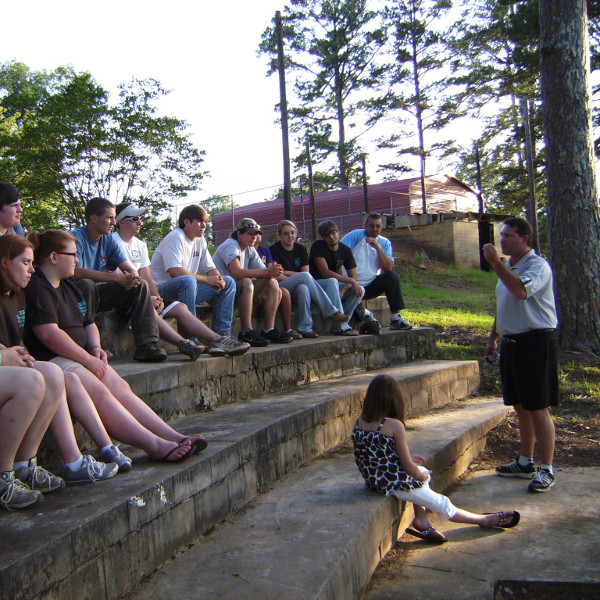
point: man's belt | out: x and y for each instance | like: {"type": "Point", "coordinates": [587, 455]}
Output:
{"type": "Point", "coordinates": [519, 336]}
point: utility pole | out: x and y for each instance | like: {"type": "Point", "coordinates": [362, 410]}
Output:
{"type": "Point", "coordinates": [311, 191]}
{"type": "Point", "coordinates": [287, 182]}
{"type": "Point", "coordinates": [478, 171]}
{"type": "Point", "coordinates": [365, 187]}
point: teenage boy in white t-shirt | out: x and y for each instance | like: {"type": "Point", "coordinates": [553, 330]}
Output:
{"type": "Point", "coordinates": [129, 224]}
{"type": "Point", "coordinates": [183, 270]}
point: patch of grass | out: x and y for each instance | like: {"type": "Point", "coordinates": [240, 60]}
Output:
{"type": "Point", "coordinates": [452, 351]}
{"type": "Point", "coordinates": [450, 318]}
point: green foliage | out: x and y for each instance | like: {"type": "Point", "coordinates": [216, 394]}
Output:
{"type": "Point", "coordinates": [496, 63]}
{"type": "Point", "coordinates": [419, 99]}
{"type": "Point", "coordinates": [64, 143]}
{"type": "Point", "coordinates": [213, 205]}
{"type": "Point", "coordinates": [332, 46]}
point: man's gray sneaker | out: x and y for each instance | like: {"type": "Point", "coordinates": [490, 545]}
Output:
{"type": "Point", "coordinates": [516, 469]}
{"type": "Point", "coordinates": [400, 323]}
{"type": "Point", "coordinates": [37, 478]}
{"type": "Point", "coordinates": [112, 454]}
{"type": "Point", "coordinates": [227, 346]}
{"type": "Point", "coordinates": [90, 470]}
{"type": "Point", "coordinates": [542, 481]}
{"type": "Point", "coordinates": [15, 494]}
{"type": "Point", "coordinates": [194, 351]}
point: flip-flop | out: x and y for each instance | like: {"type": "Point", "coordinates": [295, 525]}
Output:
{"type": "Point", "coordinates": [431, 534]}
{"type": "Point", "coordinates": [347, 332]}
{"type": "Point", "coordinates": [165, 458]}
{"type": "Point", "coordinates": [197, 445]}
{"type": "Point", "coordinates": [504, 522]}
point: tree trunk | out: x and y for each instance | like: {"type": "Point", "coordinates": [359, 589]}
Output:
{"type": "Point", "coordinates": [287, 178]}
{"type": "Point", "coordinates": [342, 150]}
{"type": "Point", "coordinates": [573, 213]}
{"type": "Point", "coordinates": [419, 107]}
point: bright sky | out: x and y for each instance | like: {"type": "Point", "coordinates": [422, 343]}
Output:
{"type": "Point", "coordinates": [205, 52]}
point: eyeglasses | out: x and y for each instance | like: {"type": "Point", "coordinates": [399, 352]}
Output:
{"type": "Point", "coordinates": [132, 219]}
{"type": "Point", "coordinates": [73, 254]}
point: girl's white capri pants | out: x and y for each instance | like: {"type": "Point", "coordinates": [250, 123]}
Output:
{"type": "Point", "coordinates": [426, 497]}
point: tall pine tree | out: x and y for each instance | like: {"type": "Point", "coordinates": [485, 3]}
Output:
{"type": "Point", "coordinates": [333, 47]}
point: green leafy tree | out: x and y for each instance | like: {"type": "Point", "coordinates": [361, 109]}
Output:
{"type": "Point", "coordinates": [496, 62]}
{"type": "Point", "coordinates": [418, 100]}
{"type": "Point", "coordinates": [64, 143]}
{"type": "Point", "coordinates": [332, 47]}
{"type": "Point", "coordinates": [215, 204]}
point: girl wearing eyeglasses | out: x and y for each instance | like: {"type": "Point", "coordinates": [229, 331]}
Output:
{"type": "Point", "coordinates": [61, 329]}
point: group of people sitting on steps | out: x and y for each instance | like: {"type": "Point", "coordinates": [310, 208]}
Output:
{"type": "Point", "coordinates": [53, 368]}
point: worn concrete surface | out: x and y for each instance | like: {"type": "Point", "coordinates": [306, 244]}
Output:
{"type": "Point", "coordinates": [318, 533]}
{"type": "Point", "coordinates": [117, 337]}
{"type": "Point", "coordinates": [178, 388]}
{"type": "Point", "coordinates": [111, 534]}
{"type": "Point", "coordinates": [557, 540]}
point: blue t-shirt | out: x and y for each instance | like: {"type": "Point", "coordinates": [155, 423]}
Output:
{"type": "Point", "coordinates": [265, 254]}
{"type": "Point", "coordinates": [354, 237]}
{"type": "Point", "coordinates": [100, 255]}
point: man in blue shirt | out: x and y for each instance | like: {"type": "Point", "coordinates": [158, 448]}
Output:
{"type": "Point", "coordinates": [375, 267]}
{"type": "Point", "coordinates": [98, 255]}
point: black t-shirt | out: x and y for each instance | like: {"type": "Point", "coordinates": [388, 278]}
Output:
{"type": "Point", "coordinates": [290, 260]}
{"type": "Point", "coordinates": [12, 319]}
{"type": "Point", "coordinates": [342, 257]}
{"type": "Point", "coordinates": [64, 306]}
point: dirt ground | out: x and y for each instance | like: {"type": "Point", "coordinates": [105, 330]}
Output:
{"type": "Point", "coordinates": [577, 424]}
{"type": "Point", "coordinates": [576, 419]}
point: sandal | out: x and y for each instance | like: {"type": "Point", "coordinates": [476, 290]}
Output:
{"type": "Point", "coordinates": [197, 444]}
{"type": "Point", "coordinates": [347, 332]}
{"type": "Point", "coordinates": [431, 534]}
{"type": "Point", "coordinates": [505, 520]}
{"type": "Point", "coordinates": [165, 458]}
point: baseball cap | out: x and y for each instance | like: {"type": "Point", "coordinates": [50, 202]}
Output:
{"type": "Point", "coordinates": [249, 225]}
{"type": "Point", "coordinates": [129, 210]}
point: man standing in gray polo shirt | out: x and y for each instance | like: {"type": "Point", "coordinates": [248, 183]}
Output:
{"type": "Point", "coordinates": [526, 321]}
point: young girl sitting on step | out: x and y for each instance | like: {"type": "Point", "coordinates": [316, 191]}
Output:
{"type": "Point", "coordinates": [384, 460]}
{"type": "Point", "coordinates": [61, 329]}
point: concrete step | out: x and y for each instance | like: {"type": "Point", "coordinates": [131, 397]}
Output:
{"type": "Point", "coordinates": [179, 388]}
{"type": "Point", "coordinates": [553, 553]}
{"type": "Point", "coordinates": [98, 541]}
{"type": "Point", "coordinates": [117, 337]}
{"type": "Point", "coordinates": [319, 533]}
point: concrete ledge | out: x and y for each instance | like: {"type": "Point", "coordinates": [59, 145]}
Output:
{"type": "Point", "coordinates": [319, 533]}
{"type": "Point", "coordinates": [98, 541]}
{"type": "Point", "coordinates": [116, 334]}
{"type": "Point", "coordinates": [179, 388]}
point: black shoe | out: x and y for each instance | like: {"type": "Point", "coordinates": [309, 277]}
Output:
{"type": "Point", "coordinates": [360, 313]}
{"type": "Point", "coordinates": [149, 353]}
{"type": "Point", "coordinates": [274, 335]}
{"type": "Point", "coordinates": [251, 337]}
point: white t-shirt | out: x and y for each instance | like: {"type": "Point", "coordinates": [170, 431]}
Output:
{"type": "Point", "coordinates": [136, 251]}
{"type": "Point", "coordinates": [177, 250]}
{"type": "Point", "coordinates": [230, 249]}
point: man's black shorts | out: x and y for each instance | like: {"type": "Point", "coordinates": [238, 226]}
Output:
{"type": "Point", "coordinates": [529, 370]}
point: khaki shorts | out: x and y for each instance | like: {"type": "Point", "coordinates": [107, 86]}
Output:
{"type": "Point", "coordinates": [261, 289]}
{"type": "Point", "coordinates": [66, 364]}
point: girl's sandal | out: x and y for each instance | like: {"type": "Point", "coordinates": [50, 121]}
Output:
{"type": "Point", "coordinates": [431, 534]}
{"type": "Point", "coordinates": [506, 521]}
